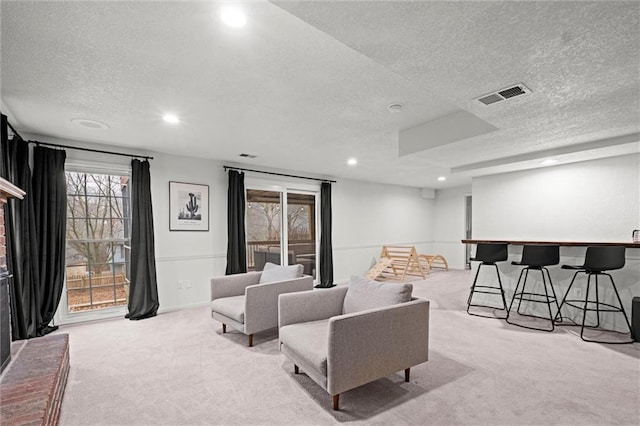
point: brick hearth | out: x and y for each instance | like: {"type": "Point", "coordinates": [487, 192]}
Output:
{"type": "Point", "coordinates": [32, 386]}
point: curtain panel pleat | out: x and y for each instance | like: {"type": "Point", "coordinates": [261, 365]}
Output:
{"type": "Point", "coordinates": [143, 291]}
{"type": "Point", "coordinates": [326, 249]}
{"type": "Point", "coordinates": [236, 239]}
{"type": "Point", "coordinates": [21, 241]}
{"type": "Point", "coordinates": [50, 208]}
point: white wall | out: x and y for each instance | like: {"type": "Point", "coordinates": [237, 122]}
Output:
{"type": "Point", "coordinates": [449, 225]}
{"type": "Point", "coordinates": [368, 215]}
{"type": "Point", "coordinates": [590, 201]}
{"type": "Point", "coordinates": [188, 256]}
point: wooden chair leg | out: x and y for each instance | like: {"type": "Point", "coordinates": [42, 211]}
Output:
{"type": "Point", "coordinates": [407, 373]}
{"type": "Point", "coordinates": [296, 370]}
{"type": "Point", "coordinates": [251, 340]}
{"type": "Point", "coordinates": [224, 328]}
{"type": "Point", "coordinates": [336, 401]}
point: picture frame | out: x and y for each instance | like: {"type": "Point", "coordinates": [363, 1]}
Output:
{"type": "Point", "coordinates": [188, 206]}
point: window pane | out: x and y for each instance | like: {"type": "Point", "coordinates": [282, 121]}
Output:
{"type": "Point", "coordinates": [75, 183]}
{"type": "Point", "coordinates": [97, 232]}
{"type": "Point", "coordinates": [76, 229]}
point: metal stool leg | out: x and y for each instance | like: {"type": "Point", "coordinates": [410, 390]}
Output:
{"type": "Point", "coordinates": [504, 300]}
{"type": "Point", "coordinates": [620, 302]}
{"type": "Point", "coordinates": [555, 296]}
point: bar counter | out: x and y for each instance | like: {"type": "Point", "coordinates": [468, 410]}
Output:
{"type": "Point", "coordinates": [571, 253]}
{"type": "Point", "coordinates": [557, 243]}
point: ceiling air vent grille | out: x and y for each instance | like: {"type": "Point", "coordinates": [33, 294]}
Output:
{"type": "Point", "coordinates": [501, 95]}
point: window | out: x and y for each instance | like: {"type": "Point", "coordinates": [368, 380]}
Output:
{"type": "Point", "coordinates": [271, 233]}
{"type": "Point", "coordinates": [97, 243]}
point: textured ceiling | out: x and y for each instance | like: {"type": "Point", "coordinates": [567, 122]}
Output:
{"type": "Point", "coordinates": [305, 85]}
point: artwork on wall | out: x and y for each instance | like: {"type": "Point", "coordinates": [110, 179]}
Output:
{"type": "Point", "coordinates": [188, 207]}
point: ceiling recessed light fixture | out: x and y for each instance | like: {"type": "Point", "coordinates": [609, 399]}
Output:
{"type": "Point", "coordinates": [442, 178]}
{"type": "Point", "coordinates": [171, 118]}
{"type": "Point", "coordinates": [233, 17]}
{"type": "Point", "coordinates": [352, 161]}
{"type": "Point", "coordinates": [395, 107]}
{"type": "Point", "coordinates": [89, 123]}
{"type": "Point", "coordinates": [548, 162]}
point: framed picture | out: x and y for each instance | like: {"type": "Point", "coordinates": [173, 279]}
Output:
{"type": "Point", "coordinates": [188, 207]}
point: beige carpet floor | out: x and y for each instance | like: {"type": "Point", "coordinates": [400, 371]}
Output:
{"type": "Point", "coordinates": [178, 369]}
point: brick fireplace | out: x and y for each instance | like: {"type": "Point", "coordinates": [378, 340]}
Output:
{"type": "Point", "coordinates": [7, 190]}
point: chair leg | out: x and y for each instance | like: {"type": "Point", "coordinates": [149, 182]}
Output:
{"type": "Point", "coordinates": [524, 288]}
{"type": "Point", "coordinates": [546, 293]}
{"type": "Point", "coordinates": [473, 287]}
{"type": "Point", "coordinates": [597, 303]}
{"type": "Point", "coordinates": [619, 301]}
{"type": "Point", "coordinates": [564, 298]}
{"type": "Point", "coordinates": [515, 292]}
{"type": "Point", "coordinates": [586, 305]}
{"type": "Point", "coordinates": [336, 402]}
{"type": "Point", "coordinates": [224, 328]}
{"type": "Point", "coordinates": [555, 296]}
{"type": "Point", "coordinates": [251, 340]}
{"type": "Point", "coordinates": [504, 300]}
{"type": "Point", "coordinates": [296, 370]}
{"type": "Point", "coordinates": [407, 374]}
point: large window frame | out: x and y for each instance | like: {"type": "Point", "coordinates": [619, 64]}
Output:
{"type": "Point", "coordinates": [63, 315]}
{"type": "Point", "coordinates": [286, 188]}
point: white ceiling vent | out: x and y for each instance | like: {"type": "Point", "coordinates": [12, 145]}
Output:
{"type": "Point", "coordinates": [501, 95]}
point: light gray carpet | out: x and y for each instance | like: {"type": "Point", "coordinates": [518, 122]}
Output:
{"type": "Point", "coordinates": [178, 369]}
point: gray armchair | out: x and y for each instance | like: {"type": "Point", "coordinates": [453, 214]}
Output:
{"type": "Point", "coordinates": [248, 305]}
{"type": "Point", "coordinates": [341, 351]}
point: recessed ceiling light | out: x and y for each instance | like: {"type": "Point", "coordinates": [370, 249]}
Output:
{"type": "Point", "coordinates": [352, 161]}
{"type": "Point", "coordinates": [442, 178]}
{"type": "Point", "coordinates": [171, 118]}
{"type": "Point", "coordinates": [395, 107]}
{"type": "Point", "coordinates": [233, 17]}
{"type": "Point", "coordinates": [89, 123]}
{"type": "Point", "coordinates": [548, 162]}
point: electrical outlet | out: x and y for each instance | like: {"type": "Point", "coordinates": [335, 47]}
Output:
{"type": "Point", "coordinates": [180, 284]}
{"type": "Point", "coordinates": [187, 283]}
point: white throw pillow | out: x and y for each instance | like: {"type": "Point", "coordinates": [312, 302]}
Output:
{"type": "Point", "coordinates": [274, 273]}
{"type": "Point", "coordinates": [365, 294]}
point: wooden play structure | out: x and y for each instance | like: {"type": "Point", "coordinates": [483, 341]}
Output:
{"type": "Point", "coordinates": [398, 262]}
{"type": "Point", "coordinates": [433, 261]}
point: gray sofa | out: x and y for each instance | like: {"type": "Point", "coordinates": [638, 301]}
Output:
{"type": "Point", "coordinates": [249, 302]}
{"type": "Point", "coordinates": [345, 337]}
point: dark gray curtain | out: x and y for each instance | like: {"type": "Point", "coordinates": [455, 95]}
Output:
{"type": "Point", "coordinates": [326, 249]}
{"type": "Point", "coordinates": [236, 247]}
{"type": "Point", "coordinates": [50, 208]}
{"type": "Point", "coordinates": [143, 290]}
{"type": "Point", "coordinates": [22, 246]}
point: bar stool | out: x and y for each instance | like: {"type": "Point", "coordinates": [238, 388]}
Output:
{"type": "Point", "coordinates": [489, 254]}
{"type": "Point", "coordinates": [597, 261]}
{"type": "Point", "coordinates": [537, 258]}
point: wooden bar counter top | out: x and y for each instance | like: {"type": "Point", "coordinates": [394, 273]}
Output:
{"type": "Point", "coordinates": [628, 244]}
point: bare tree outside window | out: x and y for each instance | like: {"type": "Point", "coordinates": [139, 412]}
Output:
{"type": "Point", "coordinates": [97, 240]}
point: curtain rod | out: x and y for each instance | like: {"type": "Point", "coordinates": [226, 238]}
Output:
{"type": "Point", "coordinates": [99, 151]}
{"type": "Point", "coordinates": [276, 174]}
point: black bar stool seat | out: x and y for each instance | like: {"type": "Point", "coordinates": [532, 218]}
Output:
{"type": "Point", "coordinates": [536, 258]}
{"type": "Point", "coordinates": [488, 254]}
{"type": "Point", "coordinates": [597, 262]}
